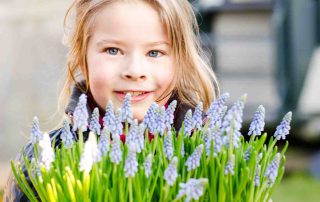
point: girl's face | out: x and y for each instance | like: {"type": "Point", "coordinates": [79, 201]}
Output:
{"type": "Point", "coordinates": [129, 51]}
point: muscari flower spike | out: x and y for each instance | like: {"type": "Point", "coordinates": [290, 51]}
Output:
{"type": "Point", "coordinates": [149, 119]}
{"type": "Point", "coordinates": [218, 142]}
{"type": "Point", "coordinates": [168, 146]}
{"type": "Point", "coordinates": [216, 110]}
{"type": "Point", "coordinates": [232, 122]}
{"type": "Point", "coordinates": [36, 134]}
{"type": "Point", "coordinates": [193, 189]}
{"type": "Point", "coordinates": [140, 137]}
{"type": "Point", "coordinates": [116, 152]}
{"type": "Point", "coordinates": [208, 140]}
{"type": "Point", "coordinates": [90, 154]}
{"type": "Point", "coordinates": [104, 142]}
{"type": "Point", "coordinates": [272, 170]}
{"type": "Point", "coordinates": [188, 124]}
{"type": "Point", "coordinates": [147, 165]}
{"type": "Point", "coordinates": [193, 160]}
{"type": "Point", "coordinates": [160, 120]}
{"type": "Point", "coordinates": [213, 136]}
{"type": "Point", "coordinates": [126, 110]}
{"type": "Point", "coordinates": [132, 137]}
{"type": "Point", "coordinates": [197, 116]}
{"type": "Point", "coordinates": [257, 124]}
{"type": "Point", "coordinates": [257, 176]}
{"type": "Point", "coordinates": [284, 127]}
{"type": "Point", "coordinates": [230, 165]}
{"type": "Point", "coordinates": [66, 135]}
{"type": "Point", "coordinates": [109, 114]}
{"type": "Point", "coordinates": [247, 154]}
{"type": "Point", "coordinates": [117, 122]}
{"type": "Point", "coordinates": [171, 174]}
{"type": "Point", "coordinates": [112, 121]}
{"type": "Point", "coordinates": [46, 153]}
{"type": "Point", "coordinates": [131, 163]}
{"type": "Point", "coordinates": [80, 115]}
{"type": "Point", "coordinates": [170, 114]}
{"type": "Point", "coordinates": [94, 125]}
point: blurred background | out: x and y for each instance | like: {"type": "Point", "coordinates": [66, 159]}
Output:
{"type": "Point", "coordinates": [269, 49]}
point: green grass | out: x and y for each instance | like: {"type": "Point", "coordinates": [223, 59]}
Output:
{"type": "Point", "coordinates": [296, 188]}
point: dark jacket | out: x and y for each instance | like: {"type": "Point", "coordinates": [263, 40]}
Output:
{"type": "Point", "coordinates": [12, 191]}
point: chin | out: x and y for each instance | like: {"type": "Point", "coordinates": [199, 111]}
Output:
{"type": "Point", "coordinates": [139, 113]}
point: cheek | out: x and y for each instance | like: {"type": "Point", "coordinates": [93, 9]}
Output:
{"type": "Point", "coordinates": [100, 71]}
{"type": "Point", "coordinates": [166, 73]}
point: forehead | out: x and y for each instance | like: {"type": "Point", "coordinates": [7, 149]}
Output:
{"type": "Point", "coordinates": [129, 20]}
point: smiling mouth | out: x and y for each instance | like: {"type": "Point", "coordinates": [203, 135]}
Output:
{"type": "Point", "coordinates": [133, 93]}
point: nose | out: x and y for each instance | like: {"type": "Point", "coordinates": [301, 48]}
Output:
{"type": "Point", "coordinates": [134, 69]}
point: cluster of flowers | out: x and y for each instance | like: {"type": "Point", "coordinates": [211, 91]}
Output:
{"type": "Point", "coordinates": [208, 151]}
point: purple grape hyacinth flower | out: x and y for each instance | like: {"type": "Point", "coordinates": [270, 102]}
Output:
{"type": "Point", "coordinates": [230, 165]}
{"type": "Point", "coordinates": [171, 174]}
{"type": "Point", "coordinates": [109, 113]}
{"type": "Point", "coordinates": [126, 110]}
{"type": "Point", "coordinates": [216, 110]}
{"type": "Point", "coordinates": [104, 142]}
{"type": "Point", "coordinates": [36, 134]}
{"type": "Point", "coordinates": [168, 145]}
{"type": "Point", "coordinates": [132, 137]}
{"type": "Point", "coordinates": [170, 114]}
{"type": "Point", "coordinates": [113, 121]}
{"type": "Point", "coordinates": [218, 143]}
{"type": "Point", "coordinates": [197, 116]}
{"type": "Point", "coordinates": [257, 124]}
{"type": "Point", "coordinates": [140, 137]}
{"type": "Point", "coordinates": [208, 141]}
{"type": "Point", "coordinates": [193, 189]}
{"type": "Point", "coordinates": [116, 152]}
{"type": "Point", "coordinates": [284, 127]}
{"type": "Point", "coordinates": [232, 122]}
{"type": "Point", "coordinates": [247, 154]}
{"type": "Point", "coordinates": [213, 136]}
{"type": "Point", "coordinates": [188, 124]}
{"type": "Point", "coordinates": [272, 170]}
{"type": "Point", "coordinates": [94, 125]}
{"type": "Point", "coordinates": [149, 118]}
{"type": "Point", "coordinates": [131, 163]}
{"type": "Point", "coordinates": [257, 176]}
{"type": "Point", "coordinates": [193, 160]}
{"type": "Point", "coordinates": [147, 165]}
{"type": "Point", "coordinates": [81, 115]}
{"type": "Point", "coordinates": [160, 120]}
{"type": "Point", "coordinates": [118, 129]}
{"type": "Point", "coordinates": [66, 136]}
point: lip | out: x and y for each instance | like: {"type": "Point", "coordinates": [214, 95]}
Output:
{"type": "Point", "coordinates": [134, 99]}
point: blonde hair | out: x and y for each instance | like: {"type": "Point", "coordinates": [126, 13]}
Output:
{"type": "Point", "coordinates": [194, 79]}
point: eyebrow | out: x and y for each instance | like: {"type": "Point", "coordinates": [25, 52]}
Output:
{"type": "Point", "coordinates": [104, 41]}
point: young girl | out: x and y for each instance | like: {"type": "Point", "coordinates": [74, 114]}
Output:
{"type": "Point", "coordinates": [149, 48]}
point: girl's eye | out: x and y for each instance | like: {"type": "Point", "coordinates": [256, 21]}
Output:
{"type": "Point", "coordinates": [112, 51]}
{"type": "Point", "coordinates": [154, 53]}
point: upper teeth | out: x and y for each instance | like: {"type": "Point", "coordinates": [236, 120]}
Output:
{"type": "Point", "coordinates": [134, 93]}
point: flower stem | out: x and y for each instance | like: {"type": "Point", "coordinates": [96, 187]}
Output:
{"type": "Point", "coordinates": [130, 189]}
